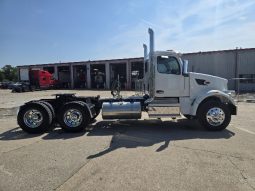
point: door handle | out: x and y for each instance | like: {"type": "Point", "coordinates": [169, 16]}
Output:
{"type": "Point", "coordinates": [159, 91]}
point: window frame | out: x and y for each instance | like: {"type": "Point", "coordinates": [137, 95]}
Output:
{"type": "Point", "coordinates": [179, 66]}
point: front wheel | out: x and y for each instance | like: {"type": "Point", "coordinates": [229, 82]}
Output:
{"type": "Point", "coordinates": [214, 115]}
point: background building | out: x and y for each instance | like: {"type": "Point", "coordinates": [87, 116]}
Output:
{"type": "Point", "coordinates": [229, 64]}
{"type": "Point", "coordinates": [94, 74]}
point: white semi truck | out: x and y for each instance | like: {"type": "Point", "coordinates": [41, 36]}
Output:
{"type": "Point", "coordinates": [169, 91]}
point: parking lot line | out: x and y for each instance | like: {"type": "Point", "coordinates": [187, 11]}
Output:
{"type": "Point", "coordinates": [245, 130]}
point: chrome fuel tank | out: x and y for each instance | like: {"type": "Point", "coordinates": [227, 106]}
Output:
{"type": "Point", "coordinates": [121, 110]}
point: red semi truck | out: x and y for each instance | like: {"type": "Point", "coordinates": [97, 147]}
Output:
{"type": "Point", "coordinates": [41, 79]}
{"type": "Point", "coordinates": [35, 79]}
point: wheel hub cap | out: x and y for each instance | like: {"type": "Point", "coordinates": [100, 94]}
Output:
{"type": "Point", "coordinates": [73, 117]}
{"type": "Point", "coordinates": [33, 118]}
{"type": "Point", "coordinates": [215, 116]}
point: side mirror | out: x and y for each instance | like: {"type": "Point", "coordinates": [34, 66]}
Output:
{"type": "Point", "coordinates": [185, 66]}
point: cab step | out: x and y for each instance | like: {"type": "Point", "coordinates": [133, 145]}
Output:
{"type": "Point", "coordinates": [166, 108]}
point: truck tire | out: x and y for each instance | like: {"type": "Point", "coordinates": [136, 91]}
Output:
{"type": "Point", "coordinates": [214, 115]}
{"type": "Point", "coordinates": [50, 107]}
{"type": "Point", "coordinates": [92, 119]}
{"type": "Point", "coordinates": [52, 111]}
{"type": "Point", "coordinates": [73, 116]}
{"type": "Point", "coordinates": [34, 117]}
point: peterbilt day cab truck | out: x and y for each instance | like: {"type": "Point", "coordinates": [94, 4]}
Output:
{"type": "Point", "coordinates": [169, 91]}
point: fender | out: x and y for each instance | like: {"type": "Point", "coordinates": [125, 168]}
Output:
{"type": "Point", "coordinates": [212, 93]}
{"type": "Point", "coordinates": [88, 108]}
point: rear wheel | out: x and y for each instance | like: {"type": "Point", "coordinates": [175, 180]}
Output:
{"type": "Point", "coordinates": [52, 112]}
{"type": "Point", "coordinates": [73, 116]}
{"type": "Point", "coordinates": [50, 107]}
{"type": "Point", "coordinates": [34, 117]}
{"type": "Point", "coordinates": [214, 115]}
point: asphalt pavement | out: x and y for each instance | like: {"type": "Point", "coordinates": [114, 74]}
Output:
{"type": "Point", "coordinates": [131, 155]}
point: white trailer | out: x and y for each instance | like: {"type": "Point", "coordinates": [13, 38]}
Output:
{"type": "Point", "coordinates": [24, 74]}
{"type": "Point", "coordinates": [169, 90]}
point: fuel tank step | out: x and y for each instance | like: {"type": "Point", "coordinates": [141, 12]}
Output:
{"type": "Point", "coordinates": [163, 111]}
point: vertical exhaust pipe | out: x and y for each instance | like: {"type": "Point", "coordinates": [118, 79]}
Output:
{"type": "Point", "coordinates": [145, 51]}
{"type": "Point", "coordinates": [151, 75]}
{"type": "Point", "coordinates": [151, 33]}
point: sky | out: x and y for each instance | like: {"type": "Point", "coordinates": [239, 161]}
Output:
{"type": "Point", "coordinates": [50, 31]}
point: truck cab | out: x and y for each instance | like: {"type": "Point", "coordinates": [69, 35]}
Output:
{"type": "Point", "coordinates": [174, 90]}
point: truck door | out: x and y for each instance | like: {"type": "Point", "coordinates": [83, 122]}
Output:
{"type": "Point", "coordinates": [169, 81]}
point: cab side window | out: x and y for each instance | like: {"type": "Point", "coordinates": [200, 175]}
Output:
{"type": "Point", "coordinates": [168, 65]}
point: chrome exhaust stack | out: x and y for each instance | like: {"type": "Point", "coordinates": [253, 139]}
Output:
{"type": "Point", "coordinates": [145, 52]}
{"type": "Point", "coordinates": [151, 33]}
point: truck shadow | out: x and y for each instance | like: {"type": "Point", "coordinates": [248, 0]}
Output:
{"type": "Point", "coordinates": [130, 133]}
{"type": "Point", "coordinates": [16, 134]}
{"type": "Point", "coordinates": [57, 133]}
{"type": "Point", "coordinates": [145, 133]}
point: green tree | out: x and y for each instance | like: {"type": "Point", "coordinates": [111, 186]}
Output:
{"type": "Point", "coordinates": [15, 74]}
{"type": "Point", "coordinates": [1, 75]}
{"type": "Point", "coordinates": [10, 73]}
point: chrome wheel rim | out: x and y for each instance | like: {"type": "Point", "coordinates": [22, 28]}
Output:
{"type": "Point", "coordinates": [73, 118]}
{"type": "Point", "coordinates": [215, 116]}
{"type": "Point", "coordinates": [33, 118]}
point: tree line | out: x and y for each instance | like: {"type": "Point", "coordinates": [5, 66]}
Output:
{"type": "Point", "coordinates": [8, 73]}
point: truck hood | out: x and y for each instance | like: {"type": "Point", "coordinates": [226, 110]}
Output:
{"type": "Point", "coordinates": [209, 82]}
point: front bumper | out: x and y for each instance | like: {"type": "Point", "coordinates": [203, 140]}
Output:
{"type": "Point", "coordinates": [233, 109]}
{"type": "Point", "coordinates": [232, 106]}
